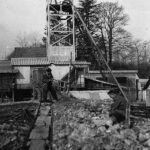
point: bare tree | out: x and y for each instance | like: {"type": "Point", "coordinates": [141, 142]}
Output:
{"type": "Point", "coordinates": [32, 39]}
{"type": "Point", "coordinates": [22, 40]}
{"type": "Point", "coordinates": [123, 46]}
{"type": "Point", "coordinates": [110, 17]}
{"type": "Point", "coordinates": [142, 50]}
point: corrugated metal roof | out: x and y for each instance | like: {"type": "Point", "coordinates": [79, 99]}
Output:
{"type": "Point", "coordinates": [42, 61]}
{"type": "Point", "coordinates": [29, 61]}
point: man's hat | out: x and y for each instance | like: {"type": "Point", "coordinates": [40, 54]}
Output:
{"type": "Point", "coordinates": [48, 69]}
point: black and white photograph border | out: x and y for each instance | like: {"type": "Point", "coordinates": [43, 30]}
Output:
{"type": "Point", "coordinates": [74, 74]}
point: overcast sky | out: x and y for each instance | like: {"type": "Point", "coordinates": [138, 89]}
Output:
{"type": "Point", "coordinates": [18, 16]}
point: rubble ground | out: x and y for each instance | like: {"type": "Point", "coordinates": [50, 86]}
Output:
{"type": "Point", "coordinates": [79, 125]}
{"type": "Point", "coordinates": [16, 120]}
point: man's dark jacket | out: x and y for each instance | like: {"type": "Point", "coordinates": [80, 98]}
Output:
{"type": "Point", "coordinates": [47, 79]}
{"type": "Point", "coordinates": [119, 104]}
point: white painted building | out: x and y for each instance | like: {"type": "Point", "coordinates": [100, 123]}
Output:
{"type": "Point", "coordinates": [27, 67]}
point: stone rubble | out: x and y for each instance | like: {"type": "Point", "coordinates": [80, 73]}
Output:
{"type": "Point", "coordinates": [79, 125]}
{"type": "Point", "coordinates": [15, 123]}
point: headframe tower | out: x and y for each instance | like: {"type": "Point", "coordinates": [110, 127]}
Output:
{"type": "Point", "coordinates": [60, 30]}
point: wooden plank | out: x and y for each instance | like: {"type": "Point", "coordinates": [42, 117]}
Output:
{"type": "Point", "coordinates": [39, 133]}
{"type": "Point", "coordinates": [44, 110]}
{"type": "Point", "coordinates": [43, 121]}
{"type": "Point", "coordinates": [42, 124]}
{"type": "Point", "coordinates": [37, 145]}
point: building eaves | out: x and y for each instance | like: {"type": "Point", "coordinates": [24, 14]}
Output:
{"type": "Point", "coordinates": [42, 61]}
{"type": "Point", "coordinates": [114, 71]}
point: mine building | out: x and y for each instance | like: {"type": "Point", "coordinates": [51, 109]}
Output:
{"type": "Point", "coordinates": [60, 55]}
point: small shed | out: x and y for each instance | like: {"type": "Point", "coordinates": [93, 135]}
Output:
{"type": "Point", "coordinates": [7, 79]}
{"type": "Point", "coordinates": [124, 77]}
{"type": "Point", "coordinates": [29, 67]}
{"type": "Point", "coordinates": [31, 63]}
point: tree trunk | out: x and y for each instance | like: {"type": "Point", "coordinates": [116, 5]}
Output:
{"type": "Point", "coordinates": [110, 47]}
{"type": "Point", "coordinates": [104, 45]}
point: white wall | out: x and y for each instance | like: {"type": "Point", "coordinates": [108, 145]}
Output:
{"type": "Point", "coordinates": [24, 75]}
{"type": "Point", "coordinates": [59, 71]}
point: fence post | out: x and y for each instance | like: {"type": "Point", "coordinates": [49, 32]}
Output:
{"type": "Point", "coordinates": [137, 89]}
{"type": "Point", "coordinates": [13, 92]}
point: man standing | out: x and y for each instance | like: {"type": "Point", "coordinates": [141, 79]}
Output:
{"type": "Point", "coordinates": [118, 108]}
{"type": "Point", "coordinates": [48, 85]}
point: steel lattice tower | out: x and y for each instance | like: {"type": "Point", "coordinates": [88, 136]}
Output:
{"type": "Point", "coordinates": [60, 30]}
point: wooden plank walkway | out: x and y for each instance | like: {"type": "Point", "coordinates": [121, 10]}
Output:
{"type": "Point", "coordinates": [39, 135]}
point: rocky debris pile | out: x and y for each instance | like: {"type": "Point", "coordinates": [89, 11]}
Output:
{"type": "Point", "coordinates": [80, 125]}
{"type": "Point", "coordinates": [16, 121]}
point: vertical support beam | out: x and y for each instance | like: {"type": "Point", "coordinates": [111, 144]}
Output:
{"type": "Point", "coordinates": [51, 128]}
{"type": "Point", "coordinates": [13, 89]}
{"type": "Point", "coordinates": [73, 20]}
{"type": "Point", "coordinates": [13, 94]}
{"type": "Point", "coordinates": [84, 77]}
{"type": "Point", "coordinates": [69, 76]}
{"type": "Point", "coordinates": [137, 89]}
{"type": "Point", "coordinates": [48, 25]}
{"type": "Point", "coordinates": [76, 78]}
